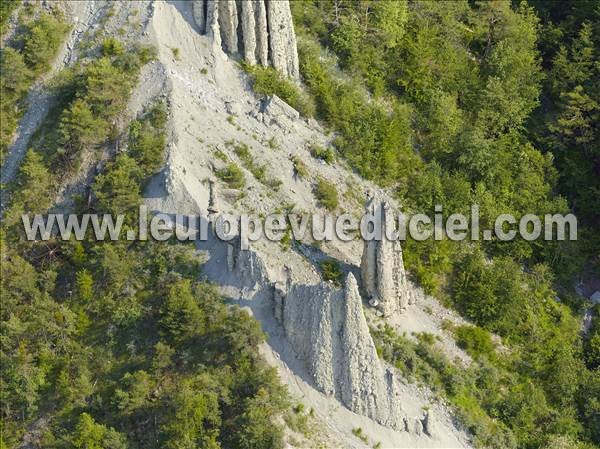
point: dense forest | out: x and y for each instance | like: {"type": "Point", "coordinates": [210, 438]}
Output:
{"type": "Point", "coordinates": [114, 345]}
{"type": "Point", "coordinates": [120, 345]}
{"type": "Point", "coordinates": [495, 104]}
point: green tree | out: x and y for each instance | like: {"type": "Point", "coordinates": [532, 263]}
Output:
{"type": "Point", "coordinates": [118, 190]}
{"type": "Point", "coordinates": [181, 316]}
{"type": "Point", "coordinates": [42, 41]}
{"type": "Point", "coordinates": [80, 127]}
{"type": "Point", "coordinates": [85, 285]}
{"type": "Point", "coordinates": [91, 435]}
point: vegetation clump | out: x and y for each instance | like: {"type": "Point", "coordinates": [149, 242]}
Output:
{"type": "Point", "coordinates": [232, 175]}
{"type": "Point", "coordinates": [299, 167]}
{"type": "Point", "coordinates": [444, 106]}
{"type": "Point", "coordinates": [120, 343]}
{"type": "Point", "coordinates": [325, 154]}
{"type": "Point", "coordinates": [331, 271]}
{"type": "Point", "coordinates": [20, 65]}
{"type": "Point", "coordinates": [326, 194]}
{"type": "Point", "coordinates": [268, 81]}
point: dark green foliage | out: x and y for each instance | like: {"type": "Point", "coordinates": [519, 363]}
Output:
{"type": "Point", "coordinates": [147, 140]}
{"type": "Point", "coordinates": [501, 409]}
{"type": "Point", "coordinates": [41, 42]}
{"type": "Point", "coordinates": [592, 341]}
{"type": "Point", "coordinates": [117, 189]}
{"type": "Point", "coordinates": [375, 141]}
{"type": "Point", "coordinates": [119, 344]}
{"type": "Point", "coordinates": [20, 65]}
{"type": "Point", "coordinates": [476, 341]}
{"type": "Point", "coordinates": [112, 47]}
{"type": "Point", "coordinates": [300, 168]}
{"type": "Point", "coordinates": [168, 349]}
{"type": "Point", "coordinates": [488, 293]}
{"type": "Point", "coordinates": [331, 271]}
{"type": "Point", "coordinates": [488, 103]}
{"type": "Point", "coordinates": [6, 8]}
{"type": "Point", "coordinates": [92, 96]}
{"type": "Point", "coordinates": [268, 81]}
{"type": "Point", "coordinates": [326, 194]}
{"type": "Point", "coordinates": [325, 154]}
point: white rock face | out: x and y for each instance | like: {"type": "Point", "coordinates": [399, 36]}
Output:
{"type": "Point", "coordinates": [382, 265]}
{"type": "Point", "coordinates": [228, 23]}
{"type": "Point", "coordinates": [262, 39]}
{"type": "Point", "coordinates": [329, 332]}
{"type": "Point", "coordinates": [249, 31]}
{"type": "Point", "coordinates": [282, 38]}
{"type": "Point", "coordinates": [262, 31]}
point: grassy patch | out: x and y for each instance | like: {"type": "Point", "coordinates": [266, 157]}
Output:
{"type": "Point", "coordinates": [358, 433]}
{"type": "Point", "coordinates": [300, 168]}
{"type": "Point", "coordinates": [233, 176]}
{"type": "Point", "coordinates": [327, 194]}
{"type": "Point", "coordinates": [268, 81]}
{"type": "Point", "coordinates": [325, 154]}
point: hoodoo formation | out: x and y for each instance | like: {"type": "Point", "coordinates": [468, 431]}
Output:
{"type": "Point", "coordinates": [260, 31]}
{"type": "Point", "coordinates": [382, 266]}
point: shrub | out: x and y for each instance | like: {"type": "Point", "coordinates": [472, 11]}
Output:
{"type": "Point", "coordinates": [273, 144]}
{"type": "Point", "coordinates": [475, 340]}
{"type": "Point", "coordinates": [6, 8]}
{"type": "Point", "coordinates": [327, 194]}
{"type": "Point", "coordinates": [112, 47]}
{"type": "Point", "coordinates": [268, 81]}
{"type": "Point", "coordinates": [331, 271]}
{"type": "Point", "coordinates": [325, 154]}
{"type": "Point", "coordinates": [300, 168]}
{"type": "Point", "coordinates": [242, 151]}
{"type": "Point", "coordinates": [358, 432]}
{"type": "Point", "coordinates": [232, 175]}
{"type": "Point", "coordinates": [35, 185]}
{"type": "Point", "coordinates": [146, 52]}
{"type": "Point", "coordinates": [117, 189]}
{"type": "Point", "coordinates": [147, 140]}
{"type": "Point", "coordinates": [19, 67]}
{"type": "Point", "coordinates": [15, 78]}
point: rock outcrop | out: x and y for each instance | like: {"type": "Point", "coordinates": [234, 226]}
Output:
{"type": "Point", "coordinates": [328, 331]}
{"type": "Point", "coordinates": [382, 267]}
{"type": "Point", "coordinates": [260, 31]}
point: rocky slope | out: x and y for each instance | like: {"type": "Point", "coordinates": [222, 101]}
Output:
{"type": "Point", "coordinates": [318, 336]}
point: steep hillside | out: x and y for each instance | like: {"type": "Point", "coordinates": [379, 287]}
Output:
{"type": "Point", "coordinates": [211, 107]}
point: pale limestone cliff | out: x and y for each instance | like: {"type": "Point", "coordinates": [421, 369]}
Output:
{"type": "Point", "coordinates": [260, 31]}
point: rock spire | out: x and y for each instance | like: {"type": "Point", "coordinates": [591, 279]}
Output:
{"type": "Point", "coordinates": [327, 329]}
{"type": "Point", "coordinates": [382, 266]}
{"type": "Point", "coordinates": [260, 31]}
